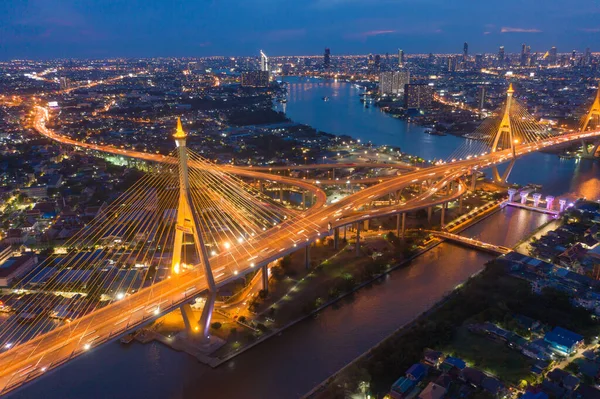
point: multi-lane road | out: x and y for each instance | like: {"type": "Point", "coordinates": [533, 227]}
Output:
{"type": "Point", "coordinates": [33, 358]}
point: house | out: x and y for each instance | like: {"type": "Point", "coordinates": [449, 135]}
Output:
{"type": "Point", "coordinates": [402, 387]}
{"type": "Point", "coordinates": [473, 376]}
{"type": "Point", "coordinates": [531, 395]}
{"type": "Point", "coordinates": [433, 391]}
{"type": "Point", "coordinates": [453, 362]}
{"type": "Point", "coordinates": [416, 372]}
{"type": "Point", "coordinates": [433, 358]}
{"type": "Point", "coordinates": [492, 385]}
{"type": "Point", "coordinates": [16, 267]}
{"type": "Point", "coordinates": [563, 341]}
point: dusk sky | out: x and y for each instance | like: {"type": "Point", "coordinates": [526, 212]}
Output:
{"type": "Point", "coordinates": [148, 28]}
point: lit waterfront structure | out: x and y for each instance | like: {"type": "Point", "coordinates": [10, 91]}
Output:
{"type": "Point", "coordinates": [392, 83]}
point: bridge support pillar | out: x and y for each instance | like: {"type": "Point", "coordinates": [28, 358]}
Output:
{"type": "Point", "coordinates": [536, 199]}
{"type": "Point", "coordinates": [304, 199]}
{"type": "Point", "coordinates": [429, 213]}
{"type": "Point", "coordinates": [549, 202]}
{"type": "Point", "coordinates": [307, 257]}
{"type": "Point", "coordinates": [524, 194]}
{"type": "Point", "coordinates": [336, 238]}
{"type": "Point", "coordinates": [358, 239]}
{"type": "Point", "coordinates": [443, 214]}
{"type": "Point", "coordinates": [265, 277]}
{"type": "Point", "coordinates": [403, 230]}
{"type": "Point", "coordinates": [366, 224]}
{"type": "Point", "coordinates": [206, 315]}
{"type": "Point", "coordinates": [473, 181]}
{"type": "Point", "coordinates": [345, 229]}
{"type": "Point", "coordinates": [189, 319]}
{"type": "Point", "coordinates": [333, 174]}
{"type": "Point", "coordinates": [511, 194]}
{"type": "Point", "coordinates": [397, 225]}
{"type": "Point", "coordinates": [586, 153]}
{"type": "Point", "coordinates": [281, 193]}
{"type": "Point", "coordinates": [562, 202]}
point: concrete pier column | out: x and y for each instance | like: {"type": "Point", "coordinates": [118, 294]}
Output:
{"type": "Point", "coordinates": [336, 238]}
{"type": "Point", "coordinates": [333, 174]}
{"type": "Point", "coordinates": [366, 224]}
{"type": "Point", "coordinates": [524, 195]}
{"type": "Point", "coordinates": [473, 181]}
{"type": "Point", "coordinates": [260, 186]}
{"type": "Point", "coordinates": [265, 277]}
{"type": "Point", "coordinates": [562, 202]}
{"type": "Point", "coordinates": [397, 225]}
{"type": "Point", "coordinates": [304, 199]}
{"type": "Point", "coordinates": [536, 199]}
{"type": "Point", "coordinates": [345, 229]}
{"type": "Point", "coordinates": [443, 214]}
{"type": "Point", "coordinates": [549, 202]}
{"type": "Point", "coordinates": [403, 229]}
{"type": "Point", "coordinates": [358, 239]}
{"type": "Point", "coordinates": [511, 194]}
{"type": "Point", "coordinates": [206, 315]}
{"type": "Point", "coordinates": [307, 257]}
{"type": "Point", "coordinates": [281, 193]}
{"type": "Point", "coordinates": [429, 213]}
{"type": "Point", "coordinates": [189, 319]}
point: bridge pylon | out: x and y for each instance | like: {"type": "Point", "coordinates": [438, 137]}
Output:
{"type": "Point", "coordinates": [593, 113]}
{"type": "Point", "coordinates": [505, 128]}
{"type": "Point", "coordinates": [189, 223]}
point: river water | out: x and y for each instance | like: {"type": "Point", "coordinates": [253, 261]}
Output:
{"type": "Point", "coordinates": [289, 365]}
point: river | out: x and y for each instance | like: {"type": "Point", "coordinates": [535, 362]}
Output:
{"type": "Point", "coordinates": [289, 365]}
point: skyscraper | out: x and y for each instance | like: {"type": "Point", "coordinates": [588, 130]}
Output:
{"type": "Point", "coordinates": [377, 62]}
{"type": "Point", "coordinates": [478, 61]}
{"type": "Point", "coordinates": [501, 56]}
{"type": "Point", "coordinates": [400, 58]}
{"type": "Point", "coordinates": [451, 64]}
{"type": "Point", "coordinates": [523, 55]}
{"type": "Point", "coordinates": [393, 82]}
{"type": "Point", "coordinates": [327, 58]}
{"type": "Point", "coordinates": [587, 58]}
{"type": "Point", "coordinates": [264, 62]}
{"type": "Point", "coordinates": [65, 83]}
{"type": "Point", "coordinates": [481, 97]}
{"type": "Point", "coordinates": [552, 57]}
{"type": "Point", "coordinates": [465, 52]}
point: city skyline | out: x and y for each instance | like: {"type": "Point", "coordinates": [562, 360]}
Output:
{"type": "Point", "coordinates": [40, 29]}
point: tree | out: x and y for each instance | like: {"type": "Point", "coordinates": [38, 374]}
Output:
{"type": "Point", "coordinates": [216, 325]}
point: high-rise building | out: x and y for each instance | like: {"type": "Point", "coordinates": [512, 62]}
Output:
{"type": "Point", "coordinates": [481, 97]}
{"type": "Point", "coordinates": [264, 62]}
{"type": "Point", "coordinates": [377, 62]}
{"type": "Point", "coordinates": [552, 56]}
{"type": "Point", "coordinates": [400, 58]}
{"type": "Point", "coordinates": [255, 79]}
{"type": "Point", "coordinates": [327, 58]}
{"type": "Point", "coordinates": [392, 83]}
{"type": "Point", "coordinates": [451, 64]}
{"type": "Point", "coordinates": [65, 83]}
{"type": "Point", "coordinates": [587, 58]}
{"type": "Point", "coordinates": [419, 96]}
{"type": "Point", "coordinates": [501, 56]}
{"type": "Point", "coordinates": [478, 61]}
{"type": "Point", "coordinates": [523, 60]}
{"type": "Point", "coordinates": [465, 52]}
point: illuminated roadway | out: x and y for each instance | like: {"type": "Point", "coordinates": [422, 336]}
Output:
{"type": "Point", "coordinates": [29, 360]}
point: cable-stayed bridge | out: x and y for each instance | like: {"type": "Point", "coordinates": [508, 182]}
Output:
{"type": "Point", "coordinates": [210, 227]}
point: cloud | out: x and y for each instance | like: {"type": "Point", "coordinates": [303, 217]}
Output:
{"type": "Point", "coordinates": [590, 30]}
{"type": "Point", "coordinates": [285, 34]}
{"type": "Point", "coordinates": [506, 29]}
{"type": "Point", "coordinates": [487, 32]}
{"type": "Point", "coordinates": [370, 33]}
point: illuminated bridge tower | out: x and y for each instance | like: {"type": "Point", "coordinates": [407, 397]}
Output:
{"type": "Point", "coordinates": [189, 223]}
{"type": "Point", "coordinates": [505, 128]}
{"type": "Point", "coordinates": [592, 115]}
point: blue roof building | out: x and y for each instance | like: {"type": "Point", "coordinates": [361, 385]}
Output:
{"type": "Point", "coordinates": [563, 340]}
{"type": "Point", "coordinates": [416, 372]}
